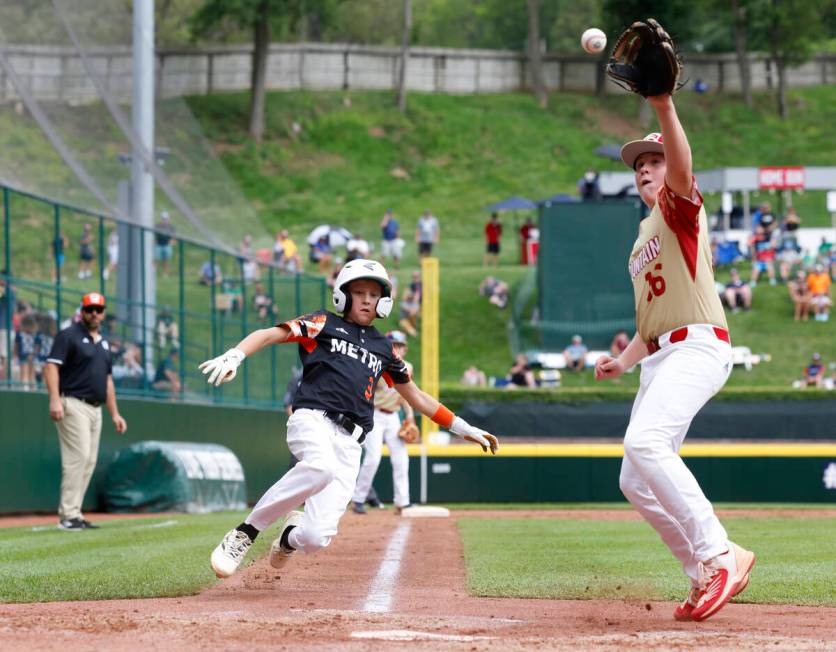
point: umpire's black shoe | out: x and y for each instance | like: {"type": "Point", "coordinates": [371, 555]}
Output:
{"type": "Point", "coordinates": [88, 525]}
{"type": "Point", "coordinates": [72, 524]}
{"type": "Point", "coordinates": [358, 508]}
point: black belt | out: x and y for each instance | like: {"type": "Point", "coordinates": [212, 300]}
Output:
{"type": "Point", "coordinates": [89, 401]}
{"type": "Point", "coordinates": [352, 429]}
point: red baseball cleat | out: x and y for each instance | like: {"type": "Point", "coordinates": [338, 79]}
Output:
{"type": "Point", "coordinates": [724, 576]}
{"type": "Point", "coordinates": [683, 611]}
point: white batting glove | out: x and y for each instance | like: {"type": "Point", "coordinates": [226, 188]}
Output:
{"type": "Point", "coordinates": [223, 368]}
{"type": "Point", "coordinates": [464, 430]}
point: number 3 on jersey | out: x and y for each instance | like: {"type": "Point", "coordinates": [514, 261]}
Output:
{"type": "Point", "coordinates": [656, 283]}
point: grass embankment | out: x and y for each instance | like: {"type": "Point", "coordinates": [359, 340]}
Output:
{"type": "Point", "coordinates": [356, 155]}
{"type": "Point", "coordinates": [585, 559]}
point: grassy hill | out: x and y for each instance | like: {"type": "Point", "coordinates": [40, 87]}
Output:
{"type": "Point", "coordinates": [345, 158]}
{"type": "Point", "coordinates": [355, 156]}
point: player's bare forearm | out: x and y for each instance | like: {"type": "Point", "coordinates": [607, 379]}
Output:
{"type": "Point", "coordinates": [418, 399]}
{"type": "Point", "coordinates": [257, 340]}
{"type": "Point", "coordinates": [110, 399]}
{"type": "Point", "coordinates": [635, 352]}
{"type": "Point", "coordinates": [677, 150]}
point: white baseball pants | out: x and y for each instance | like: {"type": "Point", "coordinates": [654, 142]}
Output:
{"type": "Point", "coordinates": [676, 382]}
{"type": "Point", "coordinates": [323, 480]}
{"type": "Point", "coordinates": [386, 426]}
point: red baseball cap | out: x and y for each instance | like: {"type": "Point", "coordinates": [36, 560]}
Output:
{"type": "Point", "coordinates": [93, 299]}
{"type": "Point", "coordinates": [635, 148]}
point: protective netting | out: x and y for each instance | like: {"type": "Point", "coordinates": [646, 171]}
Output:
{"type": "Point", "coordinates": [52, 49]}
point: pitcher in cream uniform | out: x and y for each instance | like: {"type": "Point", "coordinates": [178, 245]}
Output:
{"type": "Point", "coordinates": [683, 344]}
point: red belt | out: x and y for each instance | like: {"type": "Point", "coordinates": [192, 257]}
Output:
{"type": "Point", "coordinates": [386, 411]}
{"type": "Point", "coordinates": [681, 334]}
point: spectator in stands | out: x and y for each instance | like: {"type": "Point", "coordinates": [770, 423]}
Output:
{"type": "Point", "coordinates": [495, 290]}
{"type": "Point", "coordinates": [427, 233]}
{"type": "Point", "coordinates": [814, 372]}
{"type": "Point", "coordinates": [520, 374]}
{"type": "Point", "coordinates": [59, 247]}
{"type": "Point", "coordinates": [619, 342]}
{"type": "Point", "coordinates": [332, 277]}
{"type": "Point", "coordinates": [410, 310]}
{"type": "Point", "coordinates": [417, 285]}
{"type": "Point", "coordinates": [357, 247]}
{"type": "Point", "coordinates": [391, 244]}
{"type": "Point", "coordinates": [493, 233]}
{"type": "Point", "coordinates": [25, 346]}
{"type": "Point", "coordinates": [263, 303]}
{"type": "Point", "coordinates": [700, 87]}
{"type": "Point", "coordinates": [818, 282]}
{"type": "Point", "coordinates": [322, 254]}
{"type": "Point", "coordinates": [575, 354]}
{"type": "Point", "coordinates": [168, 333]}
{"type": "Point", "coordinates": [166, 378]}
{"type": "Point", "coordinates": [7, 308]}
{"type": "Point", "coordinates": [589, 187]}
{"type": "Point", "coordinates": [526, 233]}
{"type": "Point", "coordinates": [249, 266]}
{"type": "Point", "coordinates": [163, 249]}
{"type": "Point", "coordinates": [763, 258]}
{"type": "Point", "coordinates": [86, 252]}
{"type": "Point", "coordinates": [737, 293]}
{"type": "Point", "coordinates": [112, 254]}
{"type": "Point", "coordinates": [43, 342]}
{"type": "Point", "coordinates": [764, 209]}
{"type": "Point", "coordinates": [128, 365]}
{"type": "Point", "coordinates": [474, 377]}
{"type": "Point", "coordinates": [210, 275]}
{"type": "Point", "coordinates": [800, 296]}
{"type": "Point", "coordinates": [286, 253]}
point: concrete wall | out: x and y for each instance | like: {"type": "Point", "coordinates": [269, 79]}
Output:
{"type": "Point", "coordinates": [57, 73]}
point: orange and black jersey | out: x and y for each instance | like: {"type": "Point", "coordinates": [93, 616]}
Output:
{"type": "Point", "coordinates": [341, 364]}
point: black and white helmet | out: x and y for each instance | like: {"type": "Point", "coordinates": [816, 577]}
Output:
{"type": "Point", "coordinates": [358, 269]}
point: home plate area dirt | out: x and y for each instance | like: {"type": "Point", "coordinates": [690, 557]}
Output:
{"type": "Point", "coordinates": [390, 583]}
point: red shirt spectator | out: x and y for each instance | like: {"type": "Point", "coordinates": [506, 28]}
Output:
{"type": "Point", "coordinates": [493, 232]}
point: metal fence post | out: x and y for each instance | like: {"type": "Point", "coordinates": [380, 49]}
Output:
{"type": "Point", "coordinates": [182, 310]}
{"type": "Point", "coordinates": [7, 276]}
{"type": "Point", "coordinates": [212, 292]}
{"type": "Point", "coordinates": [58, 261]}
{"type": "Point", "coordinates": [145, 350]}
{"type": "Point", "coordinates": [298, 288]}
{"type": "Point", "coordinates": [243, 308]}
{"type": "Point", "coordinates": [271, 285]}
{"type": "Point", "coordinates": [101, 255]}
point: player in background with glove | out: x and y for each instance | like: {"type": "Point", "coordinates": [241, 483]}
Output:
{"type": "Point", "coordinates": [682, 339]}
{"type": "Point", "coordinates": [343, 358]}
{"type": "Point", "coordinates": [387, 427]}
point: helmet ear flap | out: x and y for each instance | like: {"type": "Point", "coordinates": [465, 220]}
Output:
{"type": "Point", "coordinates": [384, 307]}
{"type": "Point", "coordinates": [340, 300]}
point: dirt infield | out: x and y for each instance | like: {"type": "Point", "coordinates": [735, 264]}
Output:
{"type": "Point", "coordinates": [356, 596]}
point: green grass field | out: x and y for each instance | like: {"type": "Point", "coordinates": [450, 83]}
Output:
{"type": "Point", "coordinates": [540, 557]}
{"type": "Point", "coordinates": [584, 559]}
{"type": "Point", "coordinates": [131, 558]}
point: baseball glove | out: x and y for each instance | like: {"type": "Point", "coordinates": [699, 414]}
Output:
{"type": "Point", "coordinates": [409, 432]}
{"type": "Point", "coordinates": [644, 60]}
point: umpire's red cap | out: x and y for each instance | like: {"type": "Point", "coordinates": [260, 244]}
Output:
{"type": "Point", "coordinates": [93, 299]}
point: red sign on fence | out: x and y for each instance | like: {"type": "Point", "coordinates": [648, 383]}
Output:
{"type": "Point", "coordinates": [781, 178]}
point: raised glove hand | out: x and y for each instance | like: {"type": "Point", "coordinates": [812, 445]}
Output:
{"type": "Point", "coordinates": [644, 60]}
{"type": "Point", "coordinates": [409, 432]}
{"type": "Point", "coordinates": [464, 430]}
{"type": "Point", "coordinates": [223, 368]}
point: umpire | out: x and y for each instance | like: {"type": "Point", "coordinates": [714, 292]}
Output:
{"type": "Point", "coordinates": [78, 379]}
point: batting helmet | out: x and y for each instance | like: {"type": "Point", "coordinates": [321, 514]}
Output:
{"type": "Point", "coordinates": [368, 269]}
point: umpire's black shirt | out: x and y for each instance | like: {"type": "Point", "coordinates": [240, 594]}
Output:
{"type": "Point", "coordinates": [341, 364]}
{"type": "Point", "coordinates": [84, 364]}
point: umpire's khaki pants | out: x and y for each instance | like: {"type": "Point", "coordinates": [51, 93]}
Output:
{"type": "Point", "coordinates": [78, 434]}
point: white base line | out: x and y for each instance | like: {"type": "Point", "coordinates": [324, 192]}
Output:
{"type": "Point", "coordinates": [382, 590]}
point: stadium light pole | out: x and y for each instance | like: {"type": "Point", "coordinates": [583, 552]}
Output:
{"type": "Point", "coordinates": [142, 183]}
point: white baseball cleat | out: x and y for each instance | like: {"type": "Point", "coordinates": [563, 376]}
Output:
{"type": "Point", "coordinates": [723, 577]}
{"type": "Point", "coordinates": [230, 553]}
{"type": "Point", "coordinates": [281, 550]}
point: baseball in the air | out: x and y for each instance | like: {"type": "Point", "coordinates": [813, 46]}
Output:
{"type": "Point", "coordinates": [593, 40]}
